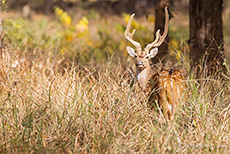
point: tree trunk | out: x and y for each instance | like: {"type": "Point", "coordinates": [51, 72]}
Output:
{"type": "Point", "coordinates": [206, 35]}
{"type": "Point", "coordinates": [159, 24]}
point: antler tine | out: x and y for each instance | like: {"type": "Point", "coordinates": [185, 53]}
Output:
{"type": "Point", "coordinates": [159, 39]}
{"type": "Point", "coordinates": [165, 29]}
{"type": "Point", "coordinates": [149, 46]}
{"type": "Point", "coordinates": [129, 35]}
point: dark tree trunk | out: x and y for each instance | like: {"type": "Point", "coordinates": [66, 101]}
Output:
{"type": "Point", "coordinates": [206, 35]}
{"type": "Point", "coordinates": [159, 24]}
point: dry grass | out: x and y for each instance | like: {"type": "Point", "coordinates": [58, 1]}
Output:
{"type": "Point", "coordinates": [45, 109]}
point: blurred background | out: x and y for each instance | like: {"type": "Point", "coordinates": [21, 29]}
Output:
{"type": "Point", "coordinates": [91, 31]}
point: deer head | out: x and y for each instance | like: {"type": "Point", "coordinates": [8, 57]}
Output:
{"type": "Point", "coordinates": [142, 56]}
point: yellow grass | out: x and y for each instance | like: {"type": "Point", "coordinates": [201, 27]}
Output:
{"type": "Point", "coordinates": [46, 108]}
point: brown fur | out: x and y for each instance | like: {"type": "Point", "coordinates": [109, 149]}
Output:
{"type": "Point", "coordinates": [165, 87]}
{"type": "Point", "coordinates": [167, 90]}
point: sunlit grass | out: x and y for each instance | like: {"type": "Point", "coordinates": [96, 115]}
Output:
{"type": "Point", "coordinates": [45, 108]}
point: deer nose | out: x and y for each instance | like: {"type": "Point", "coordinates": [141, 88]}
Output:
{"type": "Point", "coordinates": [140, 63]}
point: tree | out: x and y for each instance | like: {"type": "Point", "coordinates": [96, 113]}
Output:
{"type": "Point", "coordinates": [206, 35]}
{"type": "Point", "coordinates": [159, 24]}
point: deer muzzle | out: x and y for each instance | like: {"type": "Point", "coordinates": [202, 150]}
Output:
{"type": "Point", "coordinates": [140, 64]}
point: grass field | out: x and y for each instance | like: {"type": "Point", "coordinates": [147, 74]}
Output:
{"type": "Point", "coordinates": [49, 105]}
{"type": "Point", "coordinates": [45, 109]}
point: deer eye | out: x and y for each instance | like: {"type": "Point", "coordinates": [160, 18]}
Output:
{"type": "Point", "coordinates": [147, 57]}
{"type": "Point", "coordinates": [135, 56]}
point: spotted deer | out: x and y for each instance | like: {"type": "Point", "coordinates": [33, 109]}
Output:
{"type": "Point", "coordinates": [167, 86]}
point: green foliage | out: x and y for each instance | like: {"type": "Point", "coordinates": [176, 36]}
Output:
{"type": "Point", "coordinates": [3, 5]}
{"type": "Point", "coordinates": [84, 40]}
{"type": "Point", "coordinates": [89, 38]}
{"type": "Point", "coordinates": [28, 37]}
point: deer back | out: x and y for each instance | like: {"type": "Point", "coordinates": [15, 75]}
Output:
{"type": "Point", "coordinates": [167, 90]}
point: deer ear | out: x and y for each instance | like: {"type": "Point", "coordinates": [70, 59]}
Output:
{"type": "Point", "coordinates": [153, 53]}
{"type": "Point", "coordinates": [131, 51]}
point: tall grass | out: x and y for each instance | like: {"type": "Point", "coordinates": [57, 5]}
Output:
{"type": "Point", "coordinates": [45, 108]}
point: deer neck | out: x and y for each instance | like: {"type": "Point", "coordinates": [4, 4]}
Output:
{"type": "Point", "coordinates": [143, 76]}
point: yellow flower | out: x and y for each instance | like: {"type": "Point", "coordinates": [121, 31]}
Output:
{"type": "Point", "coordinates": [69, 35]}
{"type": "Point", "coordinates": [58, 11]}
{"type": "Point", "coordinates": [84, 21]}
{"type": "Point", "coordinates": [65, 19]}
{"type": "Point", "coordinates": [174, 43]}
{"type": "Point", "coordinates": [175, 46]}
{"type": "Point", "coordinates": [134, 24]}
{"type": "Point", "coordinates": [18, 26]}
{"type": "Point", "coordinates": [126, 17]}
{"type": "Point", "coordinates": [82, 26]}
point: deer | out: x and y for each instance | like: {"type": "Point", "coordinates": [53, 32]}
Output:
{"type": "Point", "coordinates": [163, 87]}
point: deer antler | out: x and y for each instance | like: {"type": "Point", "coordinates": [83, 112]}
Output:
{"type": "Point", "coordinates": [159, 39]}
{"type": "Point", "coordinates": [129, 35]}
